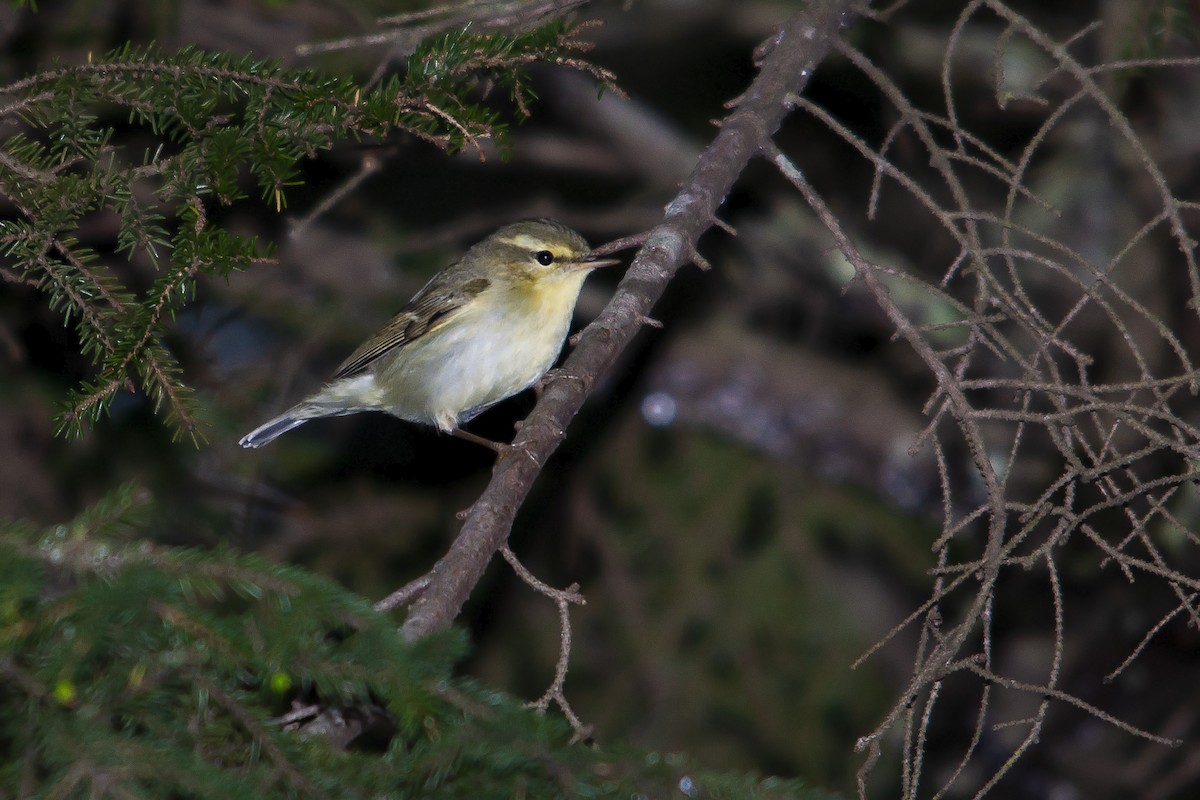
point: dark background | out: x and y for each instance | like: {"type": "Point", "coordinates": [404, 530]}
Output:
{"type": "Point", "coordinates": [736, 501]}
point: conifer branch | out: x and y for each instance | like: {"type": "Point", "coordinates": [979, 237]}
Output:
{"type": "Point", "coordinates": [215, 118]}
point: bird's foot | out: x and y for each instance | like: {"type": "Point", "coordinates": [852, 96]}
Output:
{"type": "Point", "coordinates": [501, 449]}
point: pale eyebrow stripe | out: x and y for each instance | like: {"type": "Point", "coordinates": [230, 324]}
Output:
{"type": "Point", "coordinates": [525, 242]}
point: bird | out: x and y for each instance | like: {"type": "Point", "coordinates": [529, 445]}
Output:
{"type": "Point", "coordinates": [483, 329]}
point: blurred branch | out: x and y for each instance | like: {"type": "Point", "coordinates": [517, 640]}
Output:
{"type": "Point", "coordinates": [405, 32]}
{"type": "Point", "coordinates": [788, 60]}
{"type": "Point", "coordinates": [414, 27]}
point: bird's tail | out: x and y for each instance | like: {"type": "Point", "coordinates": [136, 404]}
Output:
{"type": "Point", "coordinates": [268, 431]}
{"type": "Point", "coordinates": [335, 400]}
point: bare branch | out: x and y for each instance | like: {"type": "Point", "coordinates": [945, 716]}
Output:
{"type": "Point", "coordinates": [802, 42]}
{"type": "Point", "coordinates": [563, 598]}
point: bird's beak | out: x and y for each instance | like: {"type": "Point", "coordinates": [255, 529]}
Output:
{"type": "Point", "coordinates": [589, 261]}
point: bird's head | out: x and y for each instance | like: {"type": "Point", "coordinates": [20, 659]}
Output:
{"type": "Point", "coordinates": [534, 250]}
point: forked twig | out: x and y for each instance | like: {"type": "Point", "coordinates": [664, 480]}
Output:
{"type": "Point", "coordinates": [562, 599]}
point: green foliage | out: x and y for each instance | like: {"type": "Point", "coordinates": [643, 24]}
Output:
{"type": "Point", "coordinates": [196, 131]}
{"type": "Point", "coordinates": [755, 621]}
{"type": "Point", "coordinates": [134, 670]}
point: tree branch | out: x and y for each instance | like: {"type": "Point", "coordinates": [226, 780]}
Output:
{"type": "Point", "coordinates": [787, 61]}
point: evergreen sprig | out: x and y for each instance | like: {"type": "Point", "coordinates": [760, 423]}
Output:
{"type": "Point", "coordinates": [136, 670]}
{"type": "Point", "coordinates": [214, 123]}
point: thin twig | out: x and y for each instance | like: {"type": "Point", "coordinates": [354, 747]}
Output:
{"type": "Point", "coordinates": [562, 599]}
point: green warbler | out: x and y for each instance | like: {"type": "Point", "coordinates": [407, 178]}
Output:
{"type": "Point", "coordinates": [483, 329]}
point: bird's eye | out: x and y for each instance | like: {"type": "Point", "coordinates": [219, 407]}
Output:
{"type": "Point", "coordinates": [544, 257]}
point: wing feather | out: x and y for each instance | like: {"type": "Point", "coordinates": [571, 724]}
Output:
{"type": "Point", "coordinates": [433, 307]}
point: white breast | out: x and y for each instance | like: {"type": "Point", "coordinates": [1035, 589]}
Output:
{"type": "Point", "coordinates": [482, 356]}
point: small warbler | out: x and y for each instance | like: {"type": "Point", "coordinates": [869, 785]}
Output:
{"type": "Point", "coordinates": [483, 329]}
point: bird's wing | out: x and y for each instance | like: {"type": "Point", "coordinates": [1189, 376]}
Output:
{"type": "Point", "coordinates": [433, 307]}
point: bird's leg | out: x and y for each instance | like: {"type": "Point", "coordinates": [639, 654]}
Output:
{"type": "Point", "coordinates": [539, 386]}
{"type": "Point", "coordinates": [499, 448]}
